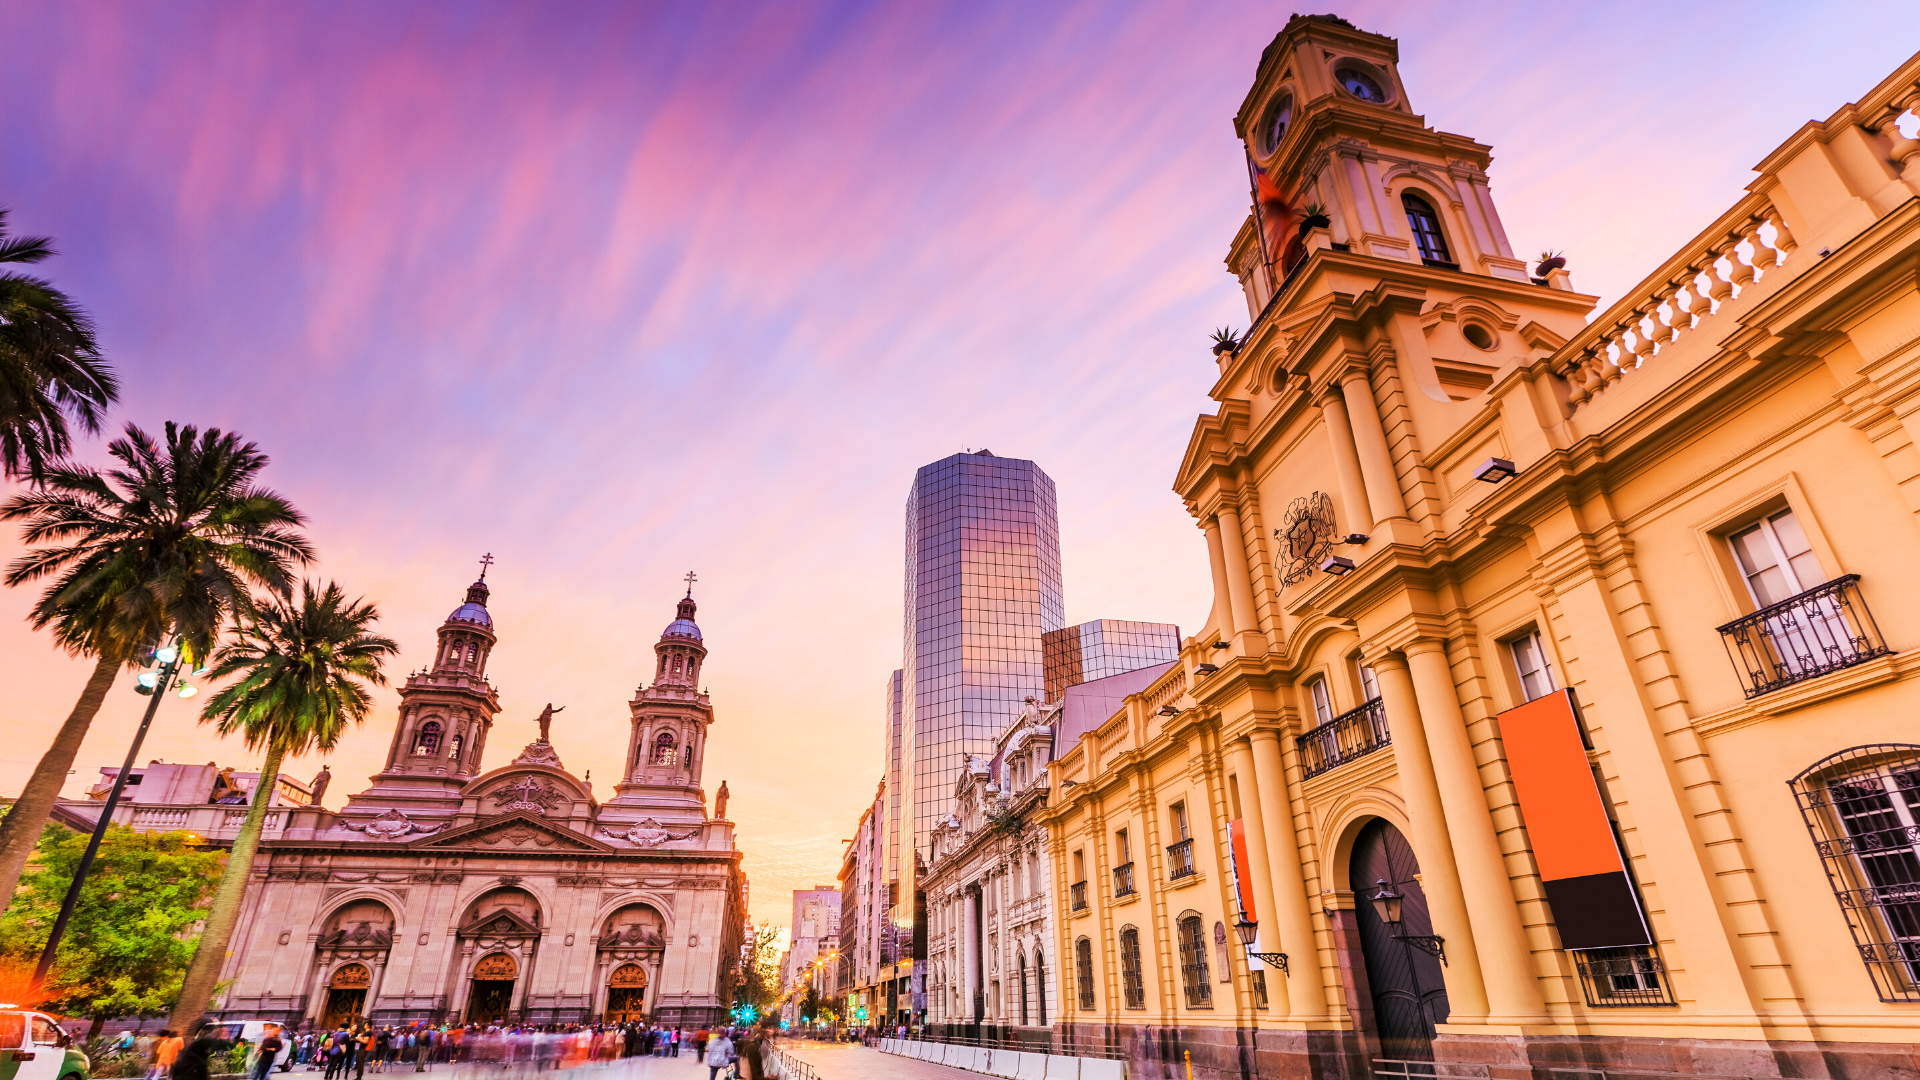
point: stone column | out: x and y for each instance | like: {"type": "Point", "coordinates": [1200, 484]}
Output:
{"type": "Point", "coordinates": [1376, 461]}
{"type": "Point", "coordinates": [1346, 463]}
{"type": "Point", "coordinates": [317, 1003]}
{"type": "Point", "coordinates": [1259, 869]}
{"type": "Point", "coordinates": [1222, 601]}
{"type": "Point", "coordinates": [1427, 832]}
{"type": "Point", "coordinates": [378, 969]}
{"type": "Point", "coordinates": [1292, 918]}
{"type": "Point", "coordinates": [1246, 621]}
{"type": "Point", "coordinates": [1513, 987]}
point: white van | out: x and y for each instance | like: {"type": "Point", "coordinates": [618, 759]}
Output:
{"type": "Point", "coordinates": [33, 1047]}
{"type": "Point", "coordinates": [255, 1030]}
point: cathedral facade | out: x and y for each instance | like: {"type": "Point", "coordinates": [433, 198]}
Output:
{"type": "Point", "coordinates": [446, 893]}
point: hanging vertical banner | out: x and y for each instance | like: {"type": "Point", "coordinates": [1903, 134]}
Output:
{"type": "Point", "coordinates": [1594, 902]}
{"type": "Point", "coordinates": [1242, 876]}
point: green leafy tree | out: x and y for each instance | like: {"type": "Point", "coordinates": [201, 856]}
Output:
{"type": "Point", "coordinates": [132, 930]}
{"type": "Point", "coordinates": [810, 1005]}
{"type": "Point", "coordinates": [301, 669]}
{"type": "Point", "coordinates": [51, 373]}
{"type": "Point", "coordinates": [166, 543]}
{"type": "Point", "coordinates": [761, 986]}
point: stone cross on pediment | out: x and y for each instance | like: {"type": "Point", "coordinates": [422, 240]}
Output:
{"type": "Point", "coordinates": [529, 793]}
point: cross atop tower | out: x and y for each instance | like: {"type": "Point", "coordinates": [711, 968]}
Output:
{"type": "Point", "coordinates": [485, 562]}
{"type": "Point", "coordinates": [691, 578]}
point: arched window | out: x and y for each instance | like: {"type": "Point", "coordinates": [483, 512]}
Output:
{"type": "Point", "coordinates": [1134, 984]}
{"type": "Point", "coordinates": [686, 756]}
{"type": "Point", "coordinates": [1192, 934]}
{"type": "Point", "coordinates": [1862, 806]}
{"type": "Point", "coordinates": [453, 750]}
{"type": "Point", "coordinates": [1083, 972]}
{"type": "Point", "coordinates": [1426, 228]}
{"type": "Point", "coordinates": [426, 741]}
{"type": "Point", "coordinates": [1022, 972]}
{"type": "Point", "coordinates": [1040, 985]}
{"type": "Point", "coordinates": [663, 748]}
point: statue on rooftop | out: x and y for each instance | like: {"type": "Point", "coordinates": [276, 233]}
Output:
{"type": "Point", "coordinates": [720, 801]}
{"type": "Point", "coordinates": [546, 719]}
{"type": "Point", "coordinates": [320, 783]}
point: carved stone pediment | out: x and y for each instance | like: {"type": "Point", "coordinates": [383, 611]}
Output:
{"type": "Point", "coordinates": [531, 794]}
{"type": "Point", "coordinates": [500, 924]}
{"type": "Point", "coordinates": [392, 825]}
{"type": "Point", "coordinates": [648, 833]}
{"type": "Point", "coordinates": [519, 833]}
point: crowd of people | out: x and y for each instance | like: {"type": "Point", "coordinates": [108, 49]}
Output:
{"type": "Point", "coordinates": [352, 1050]}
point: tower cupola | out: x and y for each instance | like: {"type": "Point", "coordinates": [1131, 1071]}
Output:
{"type": "Point", "coordinates": [447, 708]}
{"type": "Point", "coordinates": [680, 649]}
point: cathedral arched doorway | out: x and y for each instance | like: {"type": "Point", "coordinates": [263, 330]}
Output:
{"type": "Point", "coordinates": [627, 994]}
{"type": "Point", "coordinates": [1409, 989]}
{"type": "Point", "coordinates": [346, 995]}
{"type": "Point", "coordinates": [491, 996]}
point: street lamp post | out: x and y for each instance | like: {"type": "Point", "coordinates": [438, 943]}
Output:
{"type": "Point", "coordinates": [1249, 932]}
{"type": "Point", "coordinates": [170, 660]}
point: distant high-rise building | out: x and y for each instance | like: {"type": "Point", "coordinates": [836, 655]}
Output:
{"type": "Point", "coordinates": [1103, 647]}
{"type": "Point", "coordinates": [982, 586]}
{"type": "Point", "coordinates": [896, 743]}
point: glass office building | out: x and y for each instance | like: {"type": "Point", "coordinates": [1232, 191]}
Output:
{"type": "Point", "coordinates": [983, 585]}
{"type": "Point", "coordinates": [1103, 647]}
{"type": "Point", "coordinates": [896, 745]}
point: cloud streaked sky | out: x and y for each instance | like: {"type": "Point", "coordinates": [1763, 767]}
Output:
{"type": "Point", "coordinates": [645, 288]}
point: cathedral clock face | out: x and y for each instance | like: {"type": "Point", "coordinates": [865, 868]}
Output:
{"type": "Point", "coordinates": [1361, 85]}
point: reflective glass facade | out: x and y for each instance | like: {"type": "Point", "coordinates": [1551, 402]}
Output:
{"type": "Point", "coordinates": [1103, 647]}
{"type": "Point", "coordinates": [983, 585]}
{"type": "Point", "coordinates": [895, 743]}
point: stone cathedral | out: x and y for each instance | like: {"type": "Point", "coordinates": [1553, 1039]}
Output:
{"type": "Point", "coordinates": [447, 893]}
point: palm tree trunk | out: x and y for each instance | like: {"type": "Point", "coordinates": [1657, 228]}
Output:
{"type": "Point", "coordinates": [20, 832]}
{"type": "Point", "coordinates": [210, 955]}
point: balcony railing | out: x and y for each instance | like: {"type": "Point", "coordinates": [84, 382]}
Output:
{"type": "Point", "coordinates": [1077, 893]}
{"type": "Point", "coordinates": [1352, 734]}
{"type": "Point", "coordinates": [1803, 637]}
{"type": "Point", "coordinates": [1123, 880]}
{"type": "Point", "coordinates": [1180, 860]}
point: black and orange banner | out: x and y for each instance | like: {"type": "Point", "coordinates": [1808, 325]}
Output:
{"type": "Point", "coordinates": [1593, 899]}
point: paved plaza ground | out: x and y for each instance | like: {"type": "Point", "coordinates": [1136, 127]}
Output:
{"type": "Point", "coordinates": [830, 1061]}
{"type": "Point", "coordinates": [850, 1061]}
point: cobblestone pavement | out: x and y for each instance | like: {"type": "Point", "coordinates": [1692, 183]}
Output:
{"type": "Point", "coordinates": [850, 1061]}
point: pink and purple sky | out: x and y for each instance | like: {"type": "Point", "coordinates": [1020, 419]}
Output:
{"type": "Point", "coordinates": [618, 291]}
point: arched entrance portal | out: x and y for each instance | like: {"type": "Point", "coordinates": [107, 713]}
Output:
{"type": "Point", "coordinates": [627, 994]}
{"type": "Point", "coordinates": [492, 994]}
{"type": "Point", "coordinates": [346, 995]}
{"type": "Point", "coordinates": [1409, 991]}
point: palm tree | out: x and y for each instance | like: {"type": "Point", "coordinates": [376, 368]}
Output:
{"type": "Point", "coordinates": [50, 366]}
{"type": "Point", "coordinates": [166, 543]}
{"type": "Point", "coordinates": [303, 667]}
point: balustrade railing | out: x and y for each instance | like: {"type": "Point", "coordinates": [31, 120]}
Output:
{"type": "Point", "coordinates": [1802, 637]}
{"type": "Point", "coordinates": [159, 819]}
{"type": "Point", "coordinates": [1180, 860]}
{"type": "Point", "coordinates": [1123, 880]}
{"type": "Point", "coordinates": [1352, 734]}
{"type": "Point", "coordinates": [1744, 246]}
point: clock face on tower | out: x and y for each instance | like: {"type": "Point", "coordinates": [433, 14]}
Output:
{"type": "Point", "coordinates": [1361, 85]}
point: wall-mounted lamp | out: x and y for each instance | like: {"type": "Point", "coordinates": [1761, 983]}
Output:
{"type": "Point", "coordinates": [1494, 470]}
{"type": "Point", "coordinates": [1249, 933]}
{"type": "Point", "coordinates": [1336, 565]}
{"type": "Point", "coordinates": [1168, 710]}
{"type": "Point", "coordinates": [1355, 538]}
{"type": "Point", "coordinates": [1222, 645]}
{"type": "Point", "coordinates": [1387, 904]}
{"type": "Point", "coordinates": [1206, 669]}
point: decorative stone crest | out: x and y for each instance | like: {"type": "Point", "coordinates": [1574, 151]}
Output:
{"type": "Point", "coordinates": [529, 793]}
{"type": "Point", "coordinates": [648, 833]}
{"type": "Point", "coordinates": [390, 826]}
{"type": "Point", "coordinates": [539, 752]}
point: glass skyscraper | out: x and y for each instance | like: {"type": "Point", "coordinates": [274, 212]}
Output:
{"type": "Point", "coordinates": [1103, 647]}
{"type": "Point", "coordinates": [983, 585]}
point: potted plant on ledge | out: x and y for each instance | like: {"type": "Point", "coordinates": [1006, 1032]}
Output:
{"type": "Point", "coordinates": [1315, 218]}
{"type": "Point", "coordinates": [1225, 341]}
{"type": "Point", "coordinates": [1549, 262]}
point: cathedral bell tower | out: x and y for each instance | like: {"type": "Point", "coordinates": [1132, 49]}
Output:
{"type": "Point", "coordinates": [447, 708]}
{"type": "Point", "coordinates": [667, 748]}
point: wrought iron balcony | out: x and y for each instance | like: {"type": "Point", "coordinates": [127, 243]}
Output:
{"type": "Point", "coordinates": [1077, 895]}
{"type": "Point", "coordinates": [1352, 734]}
{"type": "Point", "coordinates": [1180, 860]}
{"type": "Point", "coordinates": [1804, 637]}
{"type": "Point", "coordinates": [1123, 880]}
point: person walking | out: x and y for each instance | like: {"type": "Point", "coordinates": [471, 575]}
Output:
{"type": "Point", "coordinates": [202, 1043]}
{"type": "Point", "coordinates": [676, 1042]}
{"type": "Point", "coordinates": [719, 1054]}
{"type": "Point", "coordinates": [422, 1046]}
{"type": "Point", "coordinates": [165, 1050]}
{"type": "Point", "coordinates": [270, 1046]}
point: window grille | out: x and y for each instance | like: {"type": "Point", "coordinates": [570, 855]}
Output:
{"type": "Point", "coordinates": [663, 748]}
{"type": "Point", "coordinates": [1862, 807]}
{"type": "Point", "coordinates": [1193, 963]}
{"type": "Point", "coordinates": [1259, 989]}
{"type": "Point", "coordinates": [1134, 983]}
{"type": "Point", "coordinates": [1633, 975]}
{"type": "Point", "coordinates": [1083, 972]}
{"type": "Point", "coordinates": [427, 742]}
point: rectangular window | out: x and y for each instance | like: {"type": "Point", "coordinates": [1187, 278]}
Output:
{"type": "Point", "coordinates": [1083, 972]}
{"type": "Point", "coordinates": [1775, 558]}
{"type": "Point", "coordinates": [1322, 703]}
{"type": "Point", "coordinates": [1369, 683]}
{"type": "Point", "coordinates": [1530, 661]}
{"type": "Point", "coordinates": [1120, 847]}
{"type": "Point", "coordinates": [1179, 811]}
{"type": "Point", "coordinates": [1080, 865]}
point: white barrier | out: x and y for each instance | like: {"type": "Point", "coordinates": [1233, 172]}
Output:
{"type": "Point", "coordinates": [1007, 1064]}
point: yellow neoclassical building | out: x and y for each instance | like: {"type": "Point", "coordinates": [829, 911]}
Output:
{"type": "Point", "coordinates": [1559, 691]}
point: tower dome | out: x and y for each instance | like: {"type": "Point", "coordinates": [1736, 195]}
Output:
{"type": "Point", "coordinates": [475, 609]}
{"type": "Point", "coordinates": [683, 625]}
